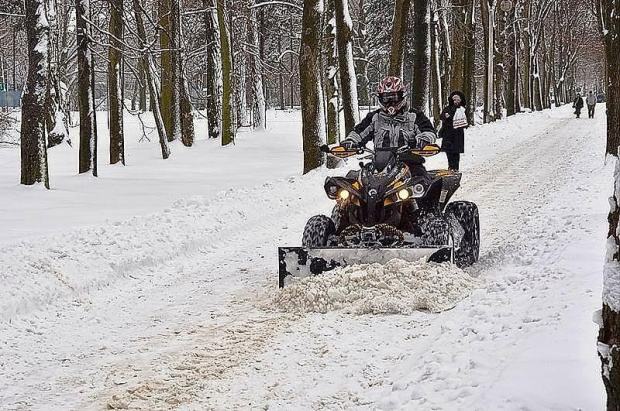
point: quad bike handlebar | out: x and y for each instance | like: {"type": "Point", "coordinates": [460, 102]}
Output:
{"type": "Point", "coordinates": [344, 152]}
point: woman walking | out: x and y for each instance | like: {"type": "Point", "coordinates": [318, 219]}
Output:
{"type": "Point", "coordinates": [454, 122]}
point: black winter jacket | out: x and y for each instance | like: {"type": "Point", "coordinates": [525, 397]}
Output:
{"type": "Point", "coordinates": [452, 140]}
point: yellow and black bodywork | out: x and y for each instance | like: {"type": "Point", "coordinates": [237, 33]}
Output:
{"type": "Point", "coordinates": [378, 210]}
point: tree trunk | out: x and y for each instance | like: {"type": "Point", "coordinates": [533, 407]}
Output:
{"type": "Point", "coordinates": [421, 55]}
{"type": "Point", "coordinates": [348, 81]}
{"type": "Point", "coordinates": [361, 66]}
{"type": "Point", "coordinates": [55, 118]}
{"type": "Point", "coordinates": [149, 70]}
{"type": "Point", "coordinates": [115, 90]}
{"type": "Point", "coordinates": [435, 64]}
{"type": "Point", "coordinates": [331, 71]}
{"type": "Point", "coordinates": [214, 69]}
{"type": "Point", "coordinates": [33, 148]}
{"type": "Point", "coordinates": [488, 24]}
{"type": "Point", "coordinates": [311, 93]}
{"type": "Point", "coordinates": [88, 142]}
{"type": "Point", "coordinates": [228, 132]}
{"type": "Point", "coordinates": [184, 120]}
{"type": "Point", "coordinates": [168, 95]}
{"type": "Point", "coordinates": [609, 334]}
{"type": "Point", "coordinates": [400, 27]}
{"type": "Point", "coordinates": [258, 94]}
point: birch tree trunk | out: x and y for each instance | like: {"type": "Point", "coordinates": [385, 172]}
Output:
{"type": "Point", "coordinates": [115, 89]}
{"type": "Point", "coordinates": [311, 93]}
{"type": "Point", "coordinates": [348, 80]}
{"type": "Point", "coordinates": [88, 141]}
{"type": "Point", "coordinates": [33, 146]}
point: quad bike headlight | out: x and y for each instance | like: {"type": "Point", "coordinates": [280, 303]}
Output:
{"type": "Point", "coordinates": [344, 194]}
{"type": "Point", "coordinates": [404, 194]}
{"type": "Point", "coordinates": [418, 190]}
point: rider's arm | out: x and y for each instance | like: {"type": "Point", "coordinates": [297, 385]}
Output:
{"type": "Point", "coordinates": [427, 131]}
{"type": "Point", "coordinates": [364, 131]}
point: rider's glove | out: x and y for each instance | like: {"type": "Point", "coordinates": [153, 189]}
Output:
{"type": "Point", "coordinates": [349, 144]}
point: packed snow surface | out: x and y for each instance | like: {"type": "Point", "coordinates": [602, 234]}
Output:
{"type": "Point", "coordinates": [152, 286]}
{"type": "Point", "coordinates": [398, 287]}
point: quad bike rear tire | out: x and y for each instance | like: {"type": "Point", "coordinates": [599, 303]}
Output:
{"type": "Point", "coordinates": [467, 251]}
{"type": "Point", "coordinates": [317, 231]}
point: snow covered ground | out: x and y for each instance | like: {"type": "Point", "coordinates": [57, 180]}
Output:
{"type": "Point", "coordinates": [154, 286]}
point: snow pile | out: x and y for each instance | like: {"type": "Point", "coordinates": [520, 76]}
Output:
{"type": "Point", "coordinates": [398, 287]}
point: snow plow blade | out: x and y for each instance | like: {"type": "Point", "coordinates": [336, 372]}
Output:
{"type": "Point", "coordinates": [300, 262]}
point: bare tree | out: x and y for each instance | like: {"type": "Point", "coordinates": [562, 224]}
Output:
{"type": "Point", "coordinates": [115, 87]}
{"type": "Point", "coordinates": [348, 81]}
{"type": "Point", "coordinates": [86, 97]}
{"type": "Point", "coordinates": [310, 74]}
{"type": "Point", "coordinates": [33, 145]}
{"type": "Point", "coordinates": [228, 132]}
{"type": "Point", "coordinates": [400, 26]}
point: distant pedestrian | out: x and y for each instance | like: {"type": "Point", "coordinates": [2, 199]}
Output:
{"type": "Point", "coordinates": [454, 122]}
{"type": "Point", "coordinates": [578, 104]}
{"type": "Point", "coordinates": [591, 102]}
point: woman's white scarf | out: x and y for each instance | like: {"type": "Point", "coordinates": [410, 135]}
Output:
{"type": "Point", "coordinates": [460, 119]}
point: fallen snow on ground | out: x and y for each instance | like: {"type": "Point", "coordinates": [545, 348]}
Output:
{"type": "Point", "coordinates": [152, 287]}
{"type": "Point", "coordinates": [398, 287]}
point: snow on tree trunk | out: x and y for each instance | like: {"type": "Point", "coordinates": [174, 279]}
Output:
{"type": "Point", "coordinates": [421, 55]}
{"type": "Point", "coordinates": [330, 73]}
{"type": "Point", "coordinates": [311, 93]}
{"type": "Point", "coordinates": [168, 95]}
{"type": "Point", "coordinates": [33, 146]}
{"type": "Point", "coordinates": [436, 64]}
{"type": "Point", "coordinates": [149, 70]}
{"type": "Point", "coordinates": [55, 118]}
{"type": "Point", "coordinates": [239, 65]}
{"type": "Point", "coordinates": [88, 140]}
{"type": "Point", "coordinates": [348, 81]}
{"type": "Point", "coordinates": [361, 67]}
{"type": "Point", "coordinates": [184, 120]}
{"type": "Point", "coordinates": [228, 131]}
{"type": "Point", "coordinates": [214, 69]}
{"type": "Point", "coordinates": [115, 89]}
{"type": "Point", "coordinates": [258, 96]}
{"type": "Point", "coordinates": [400, 26]}
{"type": "Point", "coordinates": [609, 334]}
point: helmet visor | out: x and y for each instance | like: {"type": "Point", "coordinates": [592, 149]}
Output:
{"type": "Point", "coordinates": [391, 99]}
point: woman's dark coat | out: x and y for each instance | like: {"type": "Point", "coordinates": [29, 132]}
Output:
{"type": "Point", "coordinates": [453, 140]}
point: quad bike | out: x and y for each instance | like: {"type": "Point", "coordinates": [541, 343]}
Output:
{"type": "Point", "coordinates": [383, 211]}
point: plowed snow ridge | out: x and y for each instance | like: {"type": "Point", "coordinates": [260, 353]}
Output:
{"type": "Point", "coordinates": [399, 287]}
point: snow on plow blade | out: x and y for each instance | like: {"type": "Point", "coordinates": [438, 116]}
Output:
{"type": "Point", "coordinates": [299, 262]}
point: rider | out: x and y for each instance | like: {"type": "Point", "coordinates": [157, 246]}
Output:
{"type": "Point", "coordinates": [394, 126]}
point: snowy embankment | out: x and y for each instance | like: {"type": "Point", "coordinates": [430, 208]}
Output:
{"type": "Point", "coordinates": [178, 309]}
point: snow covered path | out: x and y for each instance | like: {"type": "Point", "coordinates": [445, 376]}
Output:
{"type": "Point", "coordinates": [172, 310]}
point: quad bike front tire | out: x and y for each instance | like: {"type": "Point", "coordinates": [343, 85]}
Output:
{"type": "Point", "coordinates": [340, 217]}
{"type": "Point", "coordinates": [317, 231]}
{"type": "Point", "coordinates": [467, 251]}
